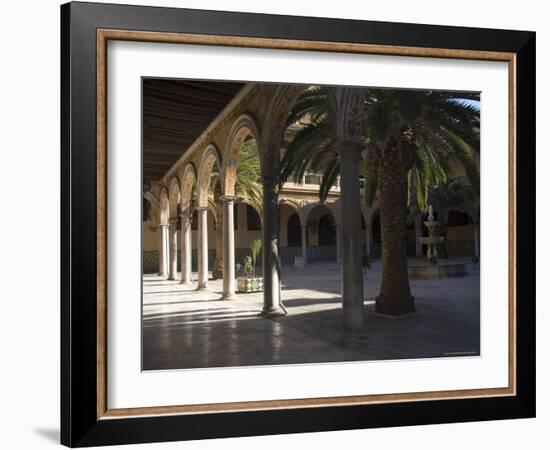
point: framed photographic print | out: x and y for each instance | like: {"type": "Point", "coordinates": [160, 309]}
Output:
{"type": "Point", "coordinates": [276, 224]}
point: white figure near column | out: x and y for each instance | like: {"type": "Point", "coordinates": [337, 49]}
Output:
{"type": "Point", "coordinates": [173, 236]}
{"type": "Point", "coordinates": [202, 213]}
{"type": "Point", "coordinates": [228, 249]}
{"type": "Point", "coordinates": [163, 251]}
{"type": "Point", "coordinates": [186, 249]}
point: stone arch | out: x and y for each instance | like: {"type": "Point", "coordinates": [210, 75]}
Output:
{"type": "Point", "coordinates": [212, 208]}
{"type": "Point", "coordinates": [164, 207]}
{"type": "Point", "coordinates": [244, 127]}
{"type": "Point", "coordinates": [293, 231]}
{"type": "Point", "coordinates": [188, 182]}
{"type": "Point", "coordinates": [317, 204]}
{"type": "Point", "coordinates": [282, 99]}
{"type": "Point", "coordinates": [210, 157]}
{"type": "Point", "coordinates": [150, 208]}
{"type": "Point", "coordinates": [370, 213]}
{"type": "Point", "coordinates": [314, 224]}
{"type": "Point", "coordinates": [298, 209]}
{"type": "Point", "coordinates": [174, 197]}
{"type": "Point", "coordinates": [327, 230]}
{"type": "Point", "coordinates": [152, 199]}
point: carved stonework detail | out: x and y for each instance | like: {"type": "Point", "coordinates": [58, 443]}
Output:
{"type": "Point", "coordinates": [347, 112]}
{"type": "Point", "coordinates": [164, 209]}
{"type": "Point", "coordinates": [207, 164]}
{"type": "Point", "coordinates": [187, 184]}
{"type": "Point", "coordinates": [174, 197]}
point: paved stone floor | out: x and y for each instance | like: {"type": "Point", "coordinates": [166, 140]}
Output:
{"type": "Point", "coordinates": [183, 328]}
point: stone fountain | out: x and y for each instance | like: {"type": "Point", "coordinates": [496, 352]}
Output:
{"type": "Point", "coordinates": [433, 267]}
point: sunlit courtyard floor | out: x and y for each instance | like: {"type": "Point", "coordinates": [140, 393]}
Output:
{"type": "Point", "coordinates": [184, 328]}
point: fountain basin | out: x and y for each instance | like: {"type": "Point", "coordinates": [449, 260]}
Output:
{"type": "Point", "coordinates": [443, 269]}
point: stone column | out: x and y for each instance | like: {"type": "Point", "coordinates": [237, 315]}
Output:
{"type": "Point", "coordinates": [186, 248]}
{"type": "Point", "coordinates": [352, 271]}
{"type": "Point", "coordinates": [202, 213]}
{"type": "Point", "coordinates": [163, 253]}
{"type": "Point", "coordinates": [228, 249]}
{"type": "Point", "coordinates": [173, 235]}
{"type": "Point", "coordinates": [304, 244]}
{"type": "Point", "coordinates": [418, 234]}
{"type": "Point", "coordinates": [270, 252]}
{"type": "Point", "coordinates": [338, 243]}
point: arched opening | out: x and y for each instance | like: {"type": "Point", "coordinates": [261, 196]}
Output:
{"type": "Point", "coordinates": [327, 230]}
{"type": "Point", "coordinates": [289, 226]}
{"type": "Point", "coordinates": [321, 227]}
{"type": "Point", "coordinates": [240, 182]}
{"type": "Point", "coordinates": [253, 220]}
{"type": "Point", "coordinates": [293, 231]}
{"type": "Point", "coordinates": [164, 208]}
{"type": "Point", "coordinates": [458, 219]}
{"type": "Point", "coordinates": [241, 162]}
{"type": "Point", "coordinates": [208, 192]}
{"type": "Point", "coordinates": [174, 224]}
{"type": "Point", "coordinates": [460, 234]}
{"type": "Point", "coordinates": [164, 216]}
{"type": "Point", "coordinates": [145, 210]}
{"type": "Point", "coordinates": [150, 236]}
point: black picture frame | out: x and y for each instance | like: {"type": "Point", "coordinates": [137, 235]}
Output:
{"type": "Point", "coordinates": [80, 425]}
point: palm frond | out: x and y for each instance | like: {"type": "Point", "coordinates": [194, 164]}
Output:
{"type": "Point", "coordinates": [329, 178]}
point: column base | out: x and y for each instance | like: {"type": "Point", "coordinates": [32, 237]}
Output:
{"type": "Point", "coordinates": [202, 287]}
{"type": "Point", "coordinates": [186, 283]}
{"type": "Point", "coordinates": [172, 278]}
{"type": "Point", "coordinates": [229, 297]}
{"type": "Point", "coordinates": [273, 311]}
{"type": "Point", "coordinates": [164, 276]}
{"type": "Point", "coordinates": [395, 309]}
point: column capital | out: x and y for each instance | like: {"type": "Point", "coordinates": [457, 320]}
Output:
{"type": "Point", "coordinates": [201, 208]}
{"type": "Point", "coordinates": [173, 221]}
{"type": "Point", "coordinates": [228, 198]}
{"type": "Point", "coordinates": [163, 225]}
{"type": "Point", "coordinates": [186, 215]}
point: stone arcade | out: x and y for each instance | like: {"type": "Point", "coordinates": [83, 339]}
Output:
{"type": "Point", "coordinates": [289, 216]}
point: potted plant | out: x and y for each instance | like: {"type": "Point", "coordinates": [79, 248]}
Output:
{"type": "Point", "coordinates": [249, 282]}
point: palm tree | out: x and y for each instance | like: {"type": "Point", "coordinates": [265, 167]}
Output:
{"type": "Point", "coordinates": [248, 189]}
{"type": "Point", "coordinates": [410, 138]}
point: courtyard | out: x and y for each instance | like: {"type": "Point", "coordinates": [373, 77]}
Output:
{"type": "Point", "coordinates": [186, 328]}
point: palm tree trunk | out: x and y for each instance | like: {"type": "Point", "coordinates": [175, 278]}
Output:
{"type": "Point", "coordinates": [395, 295]}
{"type": "Point", "coordinates": [217, 269]}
